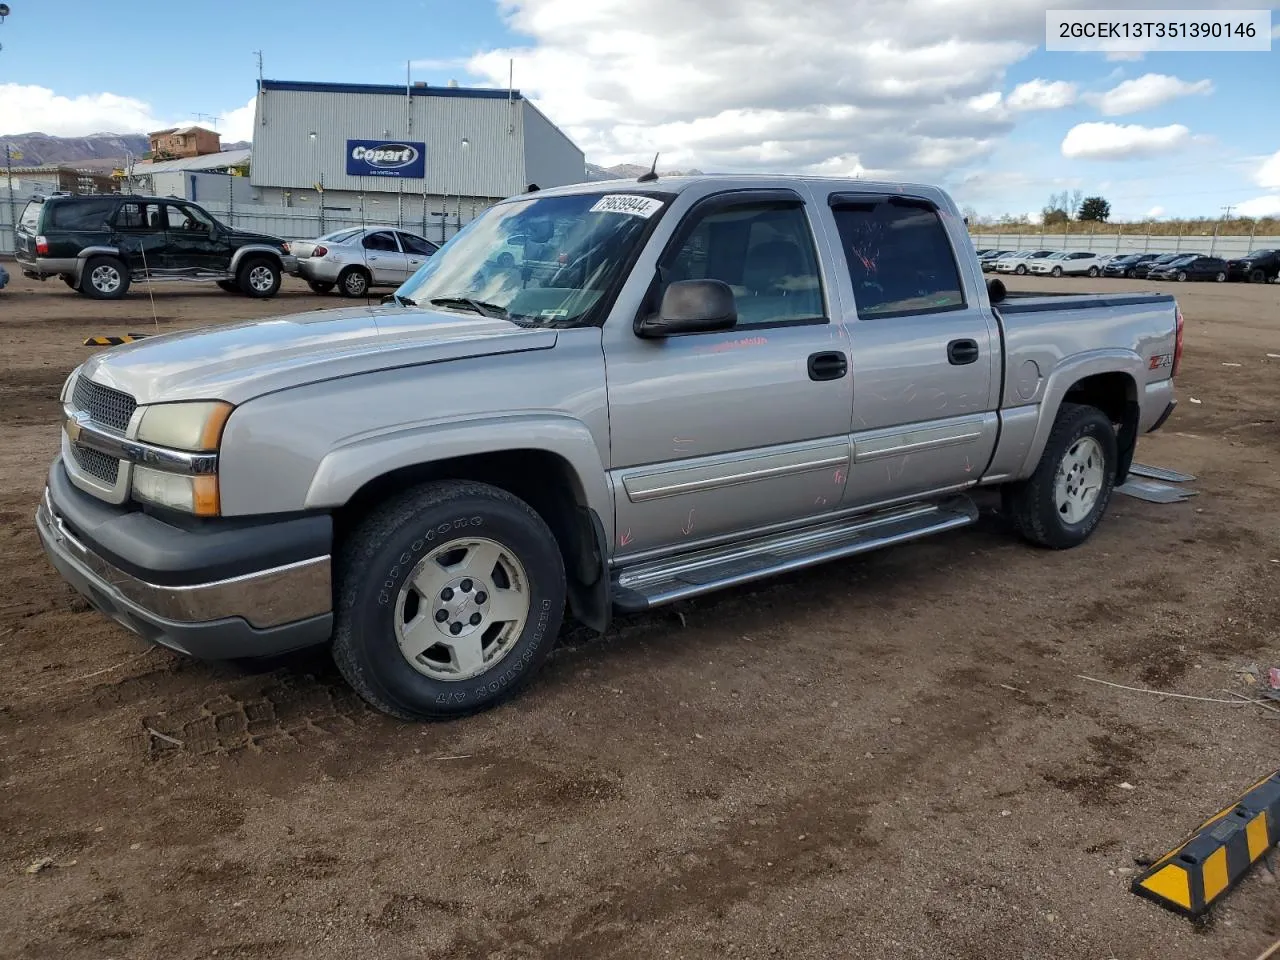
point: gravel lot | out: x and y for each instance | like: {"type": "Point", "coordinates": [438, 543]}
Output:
{"type": "Point", "coordinates": [888, 757]}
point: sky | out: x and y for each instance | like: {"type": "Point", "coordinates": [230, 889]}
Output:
{"type": "Point", "coordinates": [957, 92]}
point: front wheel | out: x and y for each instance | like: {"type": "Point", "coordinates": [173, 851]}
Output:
{"type": "Point", "coordinates": [1182, 276]}
{"type": "Point", "coordinates": [1220, 277]}
{"type": "Point", "coordinates": [1063, 501]}
{"type": "Point", "coordinates": [448, 600]}
{"type": "Point", "coordinates": [1093, 271]}
{"type": "Point", "coordinates": [259, 278]}
{"type": "Point", "coordinates": [1020, 270]}
{"type": "Point", "coordinates": [1257, 276]}
{"type": "Point", "coordinates": [1057, 271]}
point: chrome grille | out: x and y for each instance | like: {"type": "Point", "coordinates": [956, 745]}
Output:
{"type": "Point", "coordinates": [111, 408]}
{"type": "Point", "coordinates": [105, 468]}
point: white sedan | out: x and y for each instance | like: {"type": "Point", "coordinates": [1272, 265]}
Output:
{"type": "Point", "coordinates": [358, 258]}
{"type": "Point", "coordinates": [1070, 264]}
{"type": "Point", "coordinates": [1017, 262]}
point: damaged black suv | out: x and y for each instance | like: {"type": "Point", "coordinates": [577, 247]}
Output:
{"type": "Point", "coordinates": [100, 244]}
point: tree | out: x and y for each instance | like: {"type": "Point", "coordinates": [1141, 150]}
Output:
{"type": "Point", "coordinates": [1095, 208]}
{"type": "Point", "coordinates": [1053, 215]}
{"type": "Point", "coordinates": [1073, 205]}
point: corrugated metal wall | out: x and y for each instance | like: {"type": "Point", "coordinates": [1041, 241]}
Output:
{"type": "Point", "coordinates": [284, 154]}
{"type": "Point", "coordinates": [550, 158]}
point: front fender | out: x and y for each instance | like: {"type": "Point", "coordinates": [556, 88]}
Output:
{"type": "Point", "coordinates": [347, 468]}
{"type": "Point", "coordinates": [1063, 377]}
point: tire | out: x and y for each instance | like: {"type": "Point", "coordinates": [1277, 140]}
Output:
{"type": "Point", "coordinates": [104, 278]}
{"type": "Point", "coordinates": [319, 287]}
{"type": "Point", "coordinates": [353, 282]}
{"type": "Point", "coordinates": [1220, 277]}
{"type": "Point", "coordinates": [1056, 271]}
{"type": "Point", "coordinates": [229, 285]}
{"type": "Point", "coordinates": [259, 277]}
{"type": "Point", "coordinates": [70, 282]}
{"type": "Point", "coordinates": [1182, 276]}
{"type": "Point", "coordinates": [402, 543]}
{"type": "Point", "coordinates": [1036, 505]}
{"type": "Point", "coordinates": [1128, 274]}
{"type": "Point", "coordinates": [1020, 269]}
{"type": "Point", "coordinates": [1093, 272]}
{"type": "Point", "coordinates": [1257, 276]}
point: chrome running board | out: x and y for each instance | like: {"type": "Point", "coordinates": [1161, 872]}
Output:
{"type": "Point", "coordinates": [650, 584]}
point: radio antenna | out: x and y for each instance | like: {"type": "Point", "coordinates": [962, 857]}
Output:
{"type": "Point", "coordinates": [652, 175]}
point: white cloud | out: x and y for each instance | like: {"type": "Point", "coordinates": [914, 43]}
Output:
{"type": "Point", "coordinates": [1154, 212]}
{"type": "Point", "coordinates": [1125, 55]}
{"type": "Point", "coordinates": [1268, 206]}
{"type": "Point", "coordinates": [1113, 141]}
{"type": "Point", "coordinates": [1042, 95]}
{"type": "Point", "coordinates": [26, 108]}
{"type": "Point", "coordinates": [1268, 174]}
{"type": "Point", "coordinates": [1143, 93]}
{"type": "Point", "coordinates": [769, 84]}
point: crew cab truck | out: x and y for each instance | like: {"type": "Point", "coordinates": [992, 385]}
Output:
{"type": "Point", "coordinates": [724, 378]}
{"type": "Point", "coordinates": [99, 245]}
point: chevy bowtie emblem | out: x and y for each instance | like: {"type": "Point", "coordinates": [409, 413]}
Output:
{"type": "Point", "coordinates": [75, 424]}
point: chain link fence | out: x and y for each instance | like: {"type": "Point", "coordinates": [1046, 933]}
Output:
{"type": "Point", "coordinates": [1102, 243]}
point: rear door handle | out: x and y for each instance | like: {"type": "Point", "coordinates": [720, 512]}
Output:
{"type": "Point", "coordinates": [829, 365]}
{"type": "Point", "coordinates": [960, 352]}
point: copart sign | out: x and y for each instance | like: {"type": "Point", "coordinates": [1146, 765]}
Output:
{"type": "Point", "coordinates": [386, 158]}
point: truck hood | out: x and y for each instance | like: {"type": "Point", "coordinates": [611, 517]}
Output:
{"type": "Point", "coordinates": [240, 361]}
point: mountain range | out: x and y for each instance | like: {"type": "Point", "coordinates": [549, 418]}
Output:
{"type": "Point", "coordinates": [97, 151]}
{"type": "Point", "coordinates": [100, 151]}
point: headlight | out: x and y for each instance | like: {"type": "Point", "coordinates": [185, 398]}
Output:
{"type": "Point", "coordinates": [178, 491]}
{"type": "Point", "coordinates": [192, 427]}
{"type": "Point", "coordinates": [195, 426]}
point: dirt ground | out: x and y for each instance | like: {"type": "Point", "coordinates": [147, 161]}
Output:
{"type": "Point", "coordinates": [889, 757]}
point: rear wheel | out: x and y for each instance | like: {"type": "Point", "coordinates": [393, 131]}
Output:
{"type": "Point", "coordinates": [448, 599]}
{"type": "Point", "coordinates": [320, 287]}
{"type": "Point", "coordinates": [1063, 501]}
{"type": "Point", "coordinates": [259, 278]}
{"type": "Point", "coordinates": [104, 278]}
{"type": "Point", "coordinates": [1220, 277]}
{"type": "Point", "coordinates": [353, 282]}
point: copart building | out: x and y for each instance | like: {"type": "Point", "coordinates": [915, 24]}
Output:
{"type": "Point", "coordinates": [397, 152]}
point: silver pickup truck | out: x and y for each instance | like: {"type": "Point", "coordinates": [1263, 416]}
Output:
{"type": "Point", "coordinates": [693, 383]}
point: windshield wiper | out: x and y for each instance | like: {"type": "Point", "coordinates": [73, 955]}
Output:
{"type": "Point", "coordinates": [398, 300]}
{"type": "Point", "coordinates": [479, 306]}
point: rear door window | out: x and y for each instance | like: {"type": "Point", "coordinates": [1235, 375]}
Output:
{"type": "Point", "coordinates": [29, 222]}
{"type": "Point", "coordinates": [81, 215]}
{"type": "Point", "coordinates": [381, 241]}
{"type": "Point", "coordinates": [899, 257]}
{"type": "Point", "coordinates": [136, 216]}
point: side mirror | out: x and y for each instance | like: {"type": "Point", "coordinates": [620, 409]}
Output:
{"type": "Point", "coordinates": [996, 290]}
{"type": "Point", "coordinates": [692, 306]}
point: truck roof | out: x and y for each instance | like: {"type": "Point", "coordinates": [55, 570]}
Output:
{"type": "Point", "coordinates": [747, 180]}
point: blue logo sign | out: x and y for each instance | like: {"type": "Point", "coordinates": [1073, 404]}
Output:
{"type": "Point", "coordinates": [383, 158]}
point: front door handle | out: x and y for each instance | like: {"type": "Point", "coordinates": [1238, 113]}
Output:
{"type": "Point", "coordinates": [960, 352]}
{"type": "Point", "coordinates": [829, 365]}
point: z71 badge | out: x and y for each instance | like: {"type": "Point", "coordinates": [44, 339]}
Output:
{"type": "Point", "coordinates": [1160, 360]}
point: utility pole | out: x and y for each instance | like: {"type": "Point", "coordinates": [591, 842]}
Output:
{"type": "Point", "coordinates": [9, 157]}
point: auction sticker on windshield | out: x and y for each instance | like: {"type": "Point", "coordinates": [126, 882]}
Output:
{"type": "Point", "coordinates": [626, 203]}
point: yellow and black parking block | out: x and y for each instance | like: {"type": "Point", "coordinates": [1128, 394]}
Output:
{"type": "Point", "coordinates": [114, 341]}
{"type": "Point", "coordinates": [1194, 875]}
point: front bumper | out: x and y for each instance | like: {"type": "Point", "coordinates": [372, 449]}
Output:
{"type": "Point", "coordinates": [188, 589]}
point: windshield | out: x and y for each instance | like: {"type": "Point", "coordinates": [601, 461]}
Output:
{"type": "Point", "coordinates": [1260, 253]}
{"type": "Point", "coordinates": [546, 261]}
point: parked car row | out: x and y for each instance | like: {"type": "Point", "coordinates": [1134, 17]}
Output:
{"type": "Point", "coordinates": [100, 245]}
{"type": "Point", "coordinates": [1260, 266]}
